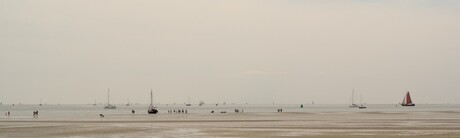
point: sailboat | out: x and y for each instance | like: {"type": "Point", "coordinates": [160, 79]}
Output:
{"type": "Point", "coordinates": [407, 101]}
{"type": "Point", "coordinates": [128, 104]}
{"type": "Point", "coordinates": [188, 104]}
{"type": "Point", "coordinates": [353, 105]}
{"type": "Point", "coordinates": [109, 106]}
{"type": "Point", "coordinates": [40, 103]}
{"type": "Point", "coordinates": [362, 106]}
{"type": "Point", "coordinates": [152, 109]}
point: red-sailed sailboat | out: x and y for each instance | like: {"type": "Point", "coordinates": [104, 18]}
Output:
{"type": "Point", "coordinates": [407, 101]}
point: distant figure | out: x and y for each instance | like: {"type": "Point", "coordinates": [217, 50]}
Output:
{"type": "Point", "coordinates": [8, 113]}
{"type": "Point", "coordinates": [212, 111]}
{"type": "Point", "coordinates": [101, 115]}
{"type": "Point", "coordinates": [185, 110]}
{"type": "Point", "coordinates": [174, 110]}
{"type": "Point", "coordinates": [35, 113]}
{"type": "Point", "coordinates": [182, 110]}
{"type": "Point", "coordinates": [133, 111]}
{"type": "Point", "coordinates": [281, 110]}
{"type": "Point", "coordinates": [301, 106]}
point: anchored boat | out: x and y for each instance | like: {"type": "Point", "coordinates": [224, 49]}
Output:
{"type": "Point", "coordinates": [109, 106]}
{"type": "Point", "coordinates": [353, 105]}
{"type": "Point", "coordinates": [152, 109]}
{"type": "Point", "coordinates": [407, 101]}
{"type": "Point", "coordinates": [362, 106]}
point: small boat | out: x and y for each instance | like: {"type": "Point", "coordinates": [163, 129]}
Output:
{"type": "Point", "coordinates": [362, 106]}
{"type": "Point", "coordinates": [353, 105]}
{"type": "Point", "coordinates": [188, 104]}
{"type": "Point", "coordinates": [40, 103]}
{"type": "Point", "coordinates": [407, 101]}
{"type": "Point", "coordinates": [152, 109]}
{"type": "Point", "coordinates": [128, 104]}
{"type": "Point", "coordinates": [109, 106]}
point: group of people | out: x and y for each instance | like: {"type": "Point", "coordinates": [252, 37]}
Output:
{"type": "Point", "coordinates": [35, 113]}
{"type": "Point", "coordinates": [238, 110]}
{"type": "Point", "coordinates": [280, 110]}
{"type": "Point", "coordinates": [177, 111]}
{"type": "Point", "coordinates": [7, 113]}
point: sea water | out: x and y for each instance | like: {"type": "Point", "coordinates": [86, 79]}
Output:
{"type": "Point", "coordinates": [70, 112]}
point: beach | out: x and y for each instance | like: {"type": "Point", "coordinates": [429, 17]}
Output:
{"type": "Point", "coordinates": [331, 123]}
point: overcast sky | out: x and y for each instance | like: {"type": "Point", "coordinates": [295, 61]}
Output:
{"type": "Point", "coordinates": [255, 51]}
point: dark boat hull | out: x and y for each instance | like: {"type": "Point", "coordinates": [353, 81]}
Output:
{"type": "Point", "coordinates": [152, 111]}
{"type": "Point", "coordinates": [407, 104]}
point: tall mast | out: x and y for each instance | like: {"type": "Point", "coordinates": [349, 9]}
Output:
{"type": "Point", "coordinates": [353, 96]}
{"type": "Point", "coordinates": [404, 99]}
{"type": "Point", "coordinates": [108, 96]}
{"type": "Point", "coordinates": [151, 96]}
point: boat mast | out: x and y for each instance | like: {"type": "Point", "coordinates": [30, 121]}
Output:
{"type": "Point", "coordinates": [353, 96]}
{"type": "Point", "coordinates": [108, 96]}
{"type": "Point", "coordinates": [151, 96]}
{"type": "Point", "coordinates": [404, 100]}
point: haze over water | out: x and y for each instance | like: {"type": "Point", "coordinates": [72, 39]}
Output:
{"type": "Point", "coordinates": [237, 51]}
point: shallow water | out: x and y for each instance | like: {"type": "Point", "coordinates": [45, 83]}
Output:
{"type": "Point", "coordinates": [90, 111]}
{"type": "Point", "coordinates": [256, 121]}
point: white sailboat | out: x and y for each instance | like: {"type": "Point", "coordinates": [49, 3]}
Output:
{"type": "Point", "coordinates": [94, 102]}
{"type": "Point", "coordinates": [40, 102]}
{"type": "Point", "coordinates": [109, 106]}
{"type": "Point", "coordinates": [128, 104]}
{"type": "Point", "coordinates": [188, 104]}
{"type": "Point", "coordinates": [353, 105]}
{"type": "Point", "coordinates": [152, 109]}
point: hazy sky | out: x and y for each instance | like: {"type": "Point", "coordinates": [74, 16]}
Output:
{"type": "Point", "coordinates": [255, 51]}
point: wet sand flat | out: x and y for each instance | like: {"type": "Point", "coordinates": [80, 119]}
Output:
{"type": "Point", "coordinates": [287, 124]}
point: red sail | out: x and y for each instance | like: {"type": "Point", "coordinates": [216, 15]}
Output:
{"type": "Point", "coordinates": [408, 100]}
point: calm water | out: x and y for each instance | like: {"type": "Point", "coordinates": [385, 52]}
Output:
{"type": "Point", "coordinates": [90, 111]}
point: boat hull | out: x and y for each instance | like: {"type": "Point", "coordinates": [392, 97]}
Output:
{"type": "Point", "coordinates": [152, 111]}
{"type": "Point", "coordinates": [407, 104]}
{"type": "Point", "coordinates": [110, 107]}
{"type": "Point", "coordinates": [354, 106]}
